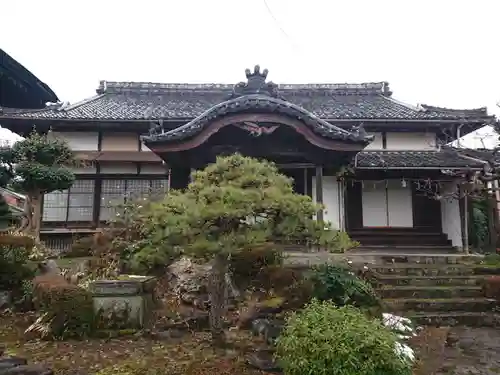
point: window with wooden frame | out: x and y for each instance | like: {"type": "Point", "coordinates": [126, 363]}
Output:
{"type": "Point", "coordinates": [74, 204]}
{"type": "Point", "coordinates": [115, 192]}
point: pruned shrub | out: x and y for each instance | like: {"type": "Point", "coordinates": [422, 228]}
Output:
{"type": "Point", "coordinates": [14, 256]}
{"type": "Point", "coordinates": [342, 287]}
{"type": "Point", "coordinates": [66, 309]}
{"type": "Point", "coordinates": [324, 339]}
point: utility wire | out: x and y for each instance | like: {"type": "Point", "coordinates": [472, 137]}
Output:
{"type": "Point", "coordinates": [285, 34]}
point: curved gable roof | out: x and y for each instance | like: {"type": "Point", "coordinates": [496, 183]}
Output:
{"type": "Point", "coordinates": [22, 88]}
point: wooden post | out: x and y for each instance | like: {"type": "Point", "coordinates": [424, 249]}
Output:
{"type": "Point", "coordinates": [306, 185]}
{"type": "Point", "coordinates": [319, 191]}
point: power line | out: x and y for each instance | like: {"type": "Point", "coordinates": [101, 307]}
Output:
{"type": "Point", "coordinates": [283, 31]}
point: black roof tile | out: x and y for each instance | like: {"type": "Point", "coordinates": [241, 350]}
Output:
{"type": "Point", "coordinates": [442, 159]}
{"type": "Point", "coordinates": [144, 101]}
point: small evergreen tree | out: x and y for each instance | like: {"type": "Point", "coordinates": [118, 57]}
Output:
{"type": "Point", "coordinates": [35, 166]}
{"type": "Point", "coordinates": [233, 205]}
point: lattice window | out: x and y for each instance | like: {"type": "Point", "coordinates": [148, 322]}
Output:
{"type": "Point", "coordinates": [75, 204]}
{"type": "Point", "coordinates": [81, 201]}
{"type": "Point", "coordinates": [116, 192]}
{"type": "Point", "coordinates": [55, 206]}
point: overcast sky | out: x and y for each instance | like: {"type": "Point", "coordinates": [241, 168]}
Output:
{"type": "Point", "coordinates": [443, 53]}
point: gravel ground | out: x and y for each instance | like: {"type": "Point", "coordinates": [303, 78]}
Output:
{"type": "Point", "coordinates": [477, 352]}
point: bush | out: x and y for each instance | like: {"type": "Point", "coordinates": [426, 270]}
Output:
{"type": "Point", "coordinates": [67, 309]}
{"type": "Point", "coordinates": [81, 247]}
{"type": "Point", "coordinates": [342, 242]}
{"type": "Point", "coordinates": [246, 265]}
{"type": "Point", "coordinates": [14, 255]}
{"type": "Point", "coordinates": [324, 339]}
{"type": "Point", "coordinates": [342, 287]}
{"type": "Point", "coordinates": [491, 260]}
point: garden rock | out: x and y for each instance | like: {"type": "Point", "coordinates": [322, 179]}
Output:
{"type": "Point", "coordinates": [189, 281]}
{"type": "Point", "coordinates": [258, 310]}
{"type": "Point", "coordinates": [49, 266]}
{"type": "Point", "coordinates": [263, 360]}
{"type": "Point", "coordinates": [5, 298]}
{"type": "Point", "coordinates": [269, 330]}
{"type": "Point", "coordinates": [168, 334]}
{"type": "Point", "coordinates": [8, 362]}
{"type": "Point", "coordinates": [27, 370]}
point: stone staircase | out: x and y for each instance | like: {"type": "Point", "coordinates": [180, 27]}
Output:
{"type": "Point", "coordinates": [435, 289]}
{"type": "Point", "coordinates": [399, 237]}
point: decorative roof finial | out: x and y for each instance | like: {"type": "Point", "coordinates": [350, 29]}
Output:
{"type": "Point", "coordinates": [256, 84]}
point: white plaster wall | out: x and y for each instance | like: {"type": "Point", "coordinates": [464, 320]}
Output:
{"type": "Point", "coordinates": [87, 169]}
{"type": "Point", "coordinates": [333, 200]}
{"type": "Point", "coordinates": [79, 141]}
{"type": "Point", "coordinates": [374, 204]}
{"type": "Point", "coordinates": [450, 217]}
{"type": "Point", "coordinates": [377, 143]}
{"type": "Point", "coordinates": [387, 204]}
{"type": "Point", "coordinates": [410, 141]}
{"type": "Point", "coordinates": [118, 168]}
{"type": "Point", "coordinates": [399, 204]}
{"type": "Point", "coordinates": [154, 169]}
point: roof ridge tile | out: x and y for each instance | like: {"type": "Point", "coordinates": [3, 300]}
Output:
{"type": "Point", "coordinates": [118, 87]}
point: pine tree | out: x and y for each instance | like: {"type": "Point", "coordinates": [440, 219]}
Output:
{"type": "Point", "coordinates": [5, 214]}
{"type": "Point", "coordinates": [233, 205]}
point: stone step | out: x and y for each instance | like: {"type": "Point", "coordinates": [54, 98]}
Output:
{"type": "Point", "coordinates": [429, 281]}
{"type": "Point", "coordinates": [449, 319]}
{"type": "Point", "coordinates": [440, 292]}
{"type": "Point", "coordinates": [440, 305]}
{"type": "Point", "coordinates": [385, 258]}
{"type": "Point", "coordinates": [431, 270]}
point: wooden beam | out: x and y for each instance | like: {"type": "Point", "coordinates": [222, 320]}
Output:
{"type": "Point", "coordinates": [319, 191]}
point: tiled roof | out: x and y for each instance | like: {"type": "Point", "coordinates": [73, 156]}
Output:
{"type": "Point", "coordinates": [19, 87]}
{"type": "Point", "coordinates": [491, 156]}
{"type": "Point", "coordinates": [415, 159]}
{"type": "Point", "coordinates": [143, 101]}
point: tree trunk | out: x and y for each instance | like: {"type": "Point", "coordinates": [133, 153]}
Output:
{"type": "Point", "coordinates": [37, 215]}
{"type": "Point", "coordinates": [28, 216]}
{"type": "Point", "coordinates": [218, 299]}
{"type": "Point", "coordinates": [32, 215]}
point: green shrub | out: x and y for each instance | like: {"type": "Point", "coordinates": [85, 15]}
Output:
{"type": "Point", "coordinates": [342, 287]}
{"type": "Point", "coordinates": [246, 265]}
{"type": "Point", "coordinates": [324, 339]}
{"type": "Point", "coordinates": [67, 309]}
{"type": "Point", "coordinates": [81, 247]}
{"type": "Point", "coordinates": [342, 242]}
{"type": "Point", "coordinates": [14, 255]}
{"type": "Point", "coordinates": [492, 260]}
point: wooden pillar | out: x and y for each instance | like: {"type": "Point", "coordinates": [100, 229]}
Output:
{"type": "Point", "coordinates": [97, 197]}
{"type": "Point", "coordinates": [319, 191]}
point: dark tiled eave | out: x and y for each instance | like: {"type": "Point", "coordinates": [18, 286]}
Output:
{"type": "Point", "coordinates": [444, 159]}
{"type": "Point", "coordinates": [259, 104]}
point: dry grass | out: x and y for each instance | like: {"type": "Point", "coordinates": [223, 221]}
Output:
{"type": "Point", "coordinates": [192, 354]}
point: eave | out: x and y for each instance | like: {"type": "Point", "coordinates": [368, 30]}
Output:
{"type": "Point", "coordinates": [33, 92]}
